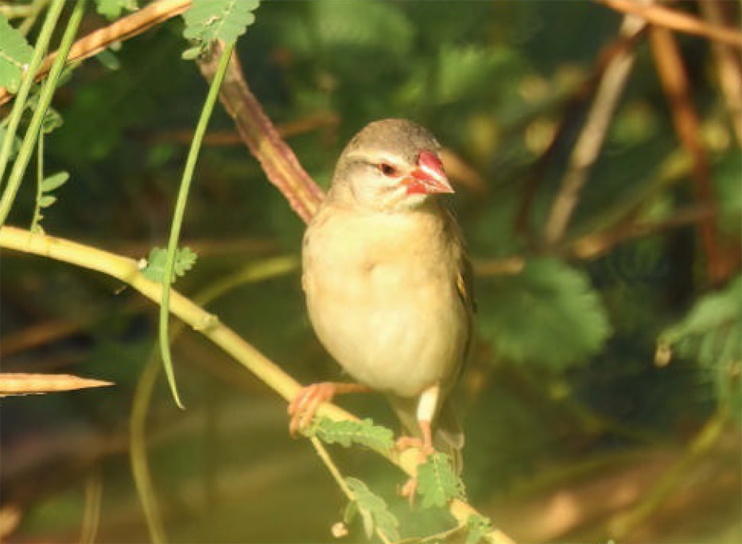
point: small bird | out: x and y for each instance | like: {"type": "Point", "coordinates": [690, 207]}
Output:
{"type": "Point", "coordinates": [388, 283]}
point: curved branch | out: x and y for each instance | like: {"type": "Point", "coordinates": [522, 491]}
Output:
{"type": "Point", "coordinates": [127, 271]}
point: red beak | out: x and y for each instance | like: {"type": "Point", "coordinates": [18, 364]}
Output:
{"type": "Point", "coordinates": [428, 177]}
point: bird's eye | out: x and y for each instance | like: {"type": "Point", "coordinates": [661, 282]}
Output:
{"type": "Point", "coordinates": [388, 170]}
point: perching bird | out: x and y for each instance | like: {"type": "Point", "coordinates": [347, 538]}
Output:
{"type": "Point", "coordinates": [388, 283]}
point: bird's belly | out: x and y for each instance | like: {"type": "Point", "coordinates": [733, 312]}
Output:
{"type": "Point", "coordinates": [392, 332]}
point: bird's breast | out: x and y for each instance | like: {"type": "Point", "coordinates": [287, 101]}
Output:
{"type": "Point", "coordinates": [381, 296]}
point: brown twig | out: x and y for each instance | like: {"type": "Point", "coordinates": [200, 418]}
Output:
{"type": "Point", "coordinates": [677, 89]}
{"type": "Point", "coordinates": [675, 20]}
{"type": "Point", "coordinates": [226, 138]}
{"type": "Point", "coordinates": [258, 132]}
{"type": "Point", "coordinates": [728, 64]}
{"type": "Point", "coordinates": [593, 133]}
{"type": "Point", "coordinates": [17, 383]}
{"type": "Point", "coordinates": [594, 245]}
{"type": "Point", "coordinates": [572, 110]}
{"type": "Point", "coordinates": [126, 27]}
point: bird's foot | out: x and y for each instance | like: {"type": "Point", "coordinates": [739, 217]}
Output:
{"type": "Point", "coordinates": [304, 405]}
{"type": "Point", "coordinates": [425, 449]}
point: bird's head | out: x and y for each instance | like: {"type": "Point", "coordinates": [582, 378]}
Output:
{"type": "Point", "coordinates": [390, 165]}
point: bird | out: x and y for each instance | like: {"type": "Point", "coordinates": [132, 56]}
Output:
{"type": "Point", "coordinates": [388, 283]}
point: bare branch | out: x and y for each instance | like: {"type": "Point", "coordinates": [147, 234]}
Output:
{"type": "Point", "coordinates": [127, 271]}
{"type": "Point", "coordinates": [126, 27]}
{"type": "Point", "coordinates": [687, 125]}
{"type": "Point", "coordinates": [593, 133]}
{"type": "Point", "coordinates": [675, 20]}
{"type": "Point", "coordinates": [728, 65]}
{"type": "Point", "coordinates": [258, 132]}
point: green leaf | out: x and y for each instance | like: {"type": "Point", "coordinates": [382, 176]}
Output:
{"type": "Point", "coordinates": [155, 267]}
{"type": "Point", "coordinates": [111, 9]}
{"type": "Point", "coordinates": [192, 53]}
{"type": "Point", "coordinates": [711, 333]}
{"type": "Point", "coordinates": [46, 201]}
{"type": "Point", "coordinates": [184, 261]}
{"type": "Point", "coordinates": [226, 20]}
{"type": "Point", "coordinates": [55, 181]}
{"type": "Point", "coordinates": [716, 313]}
{"type": "Point", "coordinates": [15, 54]}
{"type": "Point", "coordinates": [548, 315]}
{"type": "Point", "coordinates": [345, 433]}
{"type": "Point", "coordinates": [437, 482]}
{"type": "Point", "coordinates": [52, 121]}
{"type": "Point", "coordinates": [373, 510]}
{"type": "Point", "coordinates": [108, 59]}
{"type": "Point", "coordinates": [16, 142]}
{"type": "Point", "coordinates": [477, 526]}
{"type": "Point", "coordinates": [466, 70]}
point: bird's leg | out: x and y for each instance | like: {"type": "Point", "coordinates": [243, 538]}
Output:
{"type": "Point", "coordinates": [305, 404]}
{"type": "Point", "coordinates": [426, 409]}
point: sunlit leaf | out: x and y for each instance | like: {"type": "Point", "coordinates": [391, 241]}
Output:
{"type": "Point", "coordinates": [15, 54]}
{"type": "Point", "coordinates": [47, 200]}
{"type": "Point", "coordinates": [111, 9]}
{"type": "Point", "coordinates": [437, 482]}
{"type": "Point", "coordinates": [226, 20]}
{"type": "Point", "coordinates": [55, 181]}
{"type": "Point", "coordinates": [345, 433]}
{"type": "Point", "coordinates": [155, 266]}
{"type": "Point", "coordinates": [477, 526]}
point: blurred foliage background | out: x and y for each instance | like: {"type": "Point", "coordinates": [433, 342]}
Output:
{"type": "Point", "coordinates": [603, 397]}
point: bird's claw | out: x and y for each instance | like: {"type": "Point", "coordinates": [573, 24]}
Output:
{"type": "Point", "coordinates": [409, 489]}
{"type": "Point", "coordinates": [304, 405]}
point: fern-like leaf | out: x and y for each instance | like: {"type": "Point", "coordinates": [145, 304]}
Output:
{"type": "Point", "coordinates": [437, 482]}
{"type": "Point", "coordinates": [548, 315]}
{"type": "Point", "coordinates": [226, 20]}
{"type": "Point", "coordinates": [44, 198]}
{"type": "Point", "coordinates": [15, 54]}
{"type": "Point", "coordinates": [346, 433]}
{"type": "Point", "coordinates": [477, 526]}
{"type": "Point", "coordinates": [373, 510]}
{"type": "Point", "coordinates": [711, 333]}
{"type": "Point", "coordinates": [154, 269]}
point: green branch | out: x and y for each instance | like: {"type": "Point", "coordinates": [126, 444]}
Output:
{"type": "Point", "coordinates": [127, 271]}
{"type": "Point", "coordinates": [180, 204]}
{"type": "Point", "coordinates": [47, 91]}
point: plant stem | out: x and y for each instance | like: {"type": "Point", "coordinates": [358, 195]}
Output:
{"type": "Point", "coordinates": [42, 43]}
{"type": "Point", "coordinates": [47, 91]}
{"type": "Point", "coordinates": [127, 270]}
{"type": "Point", "coordinates": [253, 272]}
{"type": "Point", "coordinates": [180, 204]}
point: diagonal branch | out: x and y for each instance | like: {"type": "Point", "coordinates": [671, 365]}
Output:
{"type": "Point", "coordinates": [122, 29]}
{"type": "Point", "coordinates": [127, 271]}
{"type": "Point", "coordinates": [728, 63]}
{"type": "Point", "coordinates": [593, 133]}
{"type": "Point", "coordinates": [260, 135]}
{"type": "Point", "coordinates": [675, 20]}
{"type": "Point", "coordinates": [676, 86]}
